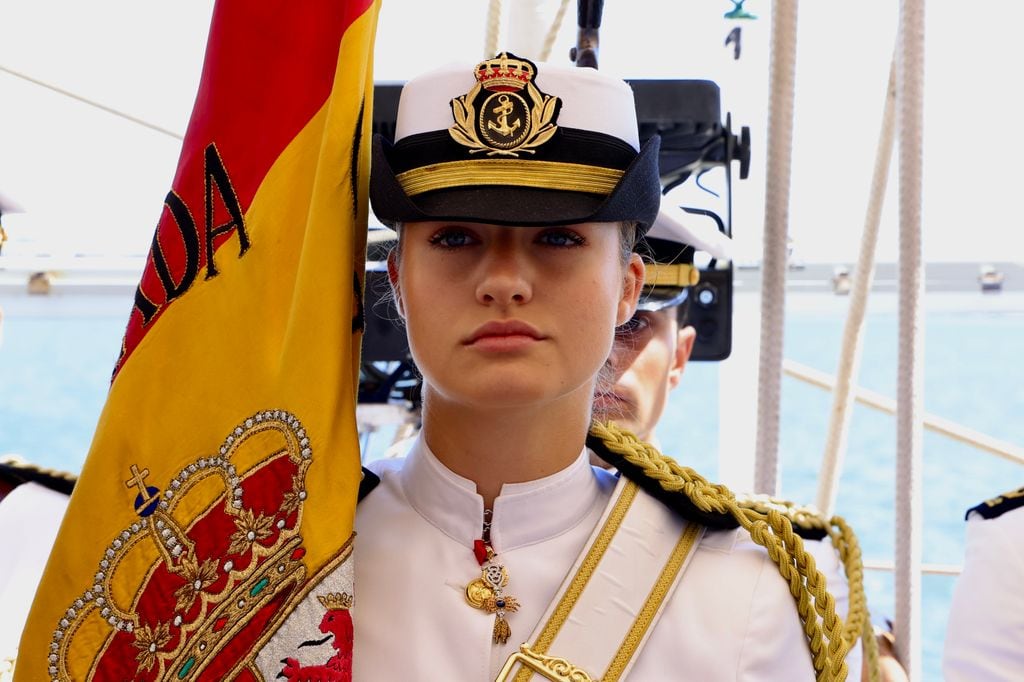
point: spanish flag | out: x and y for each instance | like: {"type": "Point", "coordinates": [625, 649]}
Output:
{"type": "Point", "coordinates": [210, 532]}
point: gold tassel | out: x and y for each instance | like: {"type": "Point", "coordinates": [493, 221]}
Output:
{"type": "Point", "coordinates": [501, 629]}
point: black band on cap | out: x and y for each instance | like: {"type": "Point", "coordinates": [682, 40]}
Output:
{"type": "Point", "coordinates": [569, 145]}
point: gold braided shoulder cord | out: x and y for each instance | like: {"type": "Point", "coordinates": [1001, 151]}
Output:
{"type": "Point", "coordinates": [844, 540]}
{"type": "Point", "coordinates": [773, 530]}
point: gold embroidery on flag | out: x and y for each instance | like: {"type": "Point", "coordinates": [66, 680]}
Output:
{"type": "Point", "coordinates": [214, 597]}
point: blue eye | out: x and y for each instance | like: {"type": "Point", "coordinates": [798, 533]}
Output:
{"type": "Point", "coordinates": [452, 238]}
{"type": "Point", "coordinates": [560, 237]}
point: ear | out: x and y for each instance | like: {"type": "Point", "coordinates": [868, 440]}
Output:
{"type": "Point", "coordinates": [396, 289]}
{"type": "Point", "coordinates": [632, 285]}
{"type": "Point", "coordinates": [685, 339]}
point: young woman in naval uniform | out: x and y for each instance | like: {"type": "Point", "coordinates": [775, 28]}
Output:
{"type": "Point", "coordinates": [494, 550]}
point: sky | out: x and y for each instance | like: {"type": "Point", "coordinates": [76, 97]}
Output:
{"type": "Point", "coordinates": [93, 183]}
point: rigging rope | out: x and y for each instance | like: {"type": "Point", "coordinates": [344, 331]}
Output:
{"type": "Point", "coordinates": [101, 107]}
{"type": "Point", "coordinates": [853, 332]}
{"type": "Point", "coordinates": [528, 30]}
{"type": "Point", "coordinates": [910, 380]}
{"type": "Point", "coordinates": [556, 25]}
{"type": "Point", "coordinates": [773, 263]}
{"type": "Point", "coordinates": [493, 28]}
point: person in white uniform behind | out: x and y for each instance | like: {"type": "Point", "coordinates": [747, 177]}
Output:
{"type": "Point", "coordinates": [32, 504]}
{"type": "Point", "coordinates": [985, 632]}
{"type": "Point", "coordinates": [518, 191]}
{"type": "Point", "coordinates": [651, 351]}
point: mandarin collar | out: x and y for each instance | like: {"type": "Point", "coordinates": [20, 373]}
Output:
{"type": "Point", "coordinates": [524, 513]}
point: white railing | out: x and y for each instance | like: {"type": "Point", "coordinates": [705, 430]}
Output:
{"type": "Point", "coordinates": [936, 424]}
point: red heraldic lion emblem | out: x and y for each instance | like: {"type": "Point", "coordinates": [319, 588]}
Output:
{"type": "Point", "coordinates": [337, 625]}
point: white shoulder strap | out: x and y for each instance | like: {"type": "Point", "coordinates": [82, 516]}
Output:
{"type": "Point", "coordinates": [612, 597]}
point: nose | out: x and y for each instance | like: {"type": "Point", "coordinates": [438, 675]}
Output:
{"type": "Point", "coordinates": [621, 355]}
{"type": "Point", "coordinates": [504, 274]}
{"type": "Point", "coordinates": [625, 348]}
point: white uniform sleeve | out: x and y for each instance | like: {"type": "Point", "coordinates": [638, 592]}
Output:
{"type": "Point", "coordinates": [731, 619]}
{"type": "Point", "coordinates": [774, 645]}
{"type": "Point", "coordinates": [985, 633]}
{"type": "Point", "coordinates": [29, 519]}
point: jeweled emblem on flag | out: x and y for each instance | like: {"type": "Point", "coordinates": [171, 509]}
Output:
{"type": "Point", "coordinates": [218, 497]}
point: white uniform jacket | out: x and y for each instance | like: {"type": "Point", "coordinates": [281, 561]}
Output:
{"type": "Point", "coordinates": [985, 633]}
{"type": "Point", "coordinates": [30, 517]}
{"type": "Point", "coordinates": [730, 618]}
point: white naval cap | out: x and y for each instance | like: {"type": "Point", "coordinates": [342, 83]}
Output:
{"type": "Point", "coordinates": [591, 100]}
{"type": "Point", "coordinates": [511, 142]}
{"type": "Point", "coordinates": [676, 225]}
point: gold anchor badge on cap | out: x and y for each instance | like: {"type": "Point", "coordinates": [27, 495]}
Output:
{"type": "Point", "coordinates": [495, 116]}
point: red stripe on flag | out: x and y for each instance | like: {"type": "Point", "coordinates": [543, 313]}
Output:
{"type": "Point", "coordinates": [269, 68]}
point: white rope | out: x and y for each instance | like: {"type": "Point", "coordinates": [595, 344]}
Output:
{"type": "Point", "coordinates": [773, 263]}
{"type": "Point", "coordinates": [910, 380]}
{"type": "Point", "coordinates": [853, 332]}
{"type": "Point", "coordinates": [101, 107]}
{"type": "Point", "coordinates": [556, 26]}
{"type": "Point", "coordinates": [493, 28]}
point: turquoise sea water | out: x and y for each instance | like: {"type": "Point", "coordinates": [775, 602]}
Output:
{"type": "Point", "coordinates": [58, 352]}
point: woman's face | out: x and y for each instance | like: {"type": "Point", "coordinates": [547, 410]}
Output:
{"type": "Point", "coordinates": [503, 317]}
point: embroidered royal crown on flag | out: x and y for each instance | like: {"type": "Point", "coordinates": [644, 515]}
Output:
{"type": "Point", "coordinates": [209, 536]}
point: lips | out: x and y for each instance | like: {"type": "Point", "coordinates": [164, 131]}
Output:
{"type": "Point", "coordinates": [503, 329]}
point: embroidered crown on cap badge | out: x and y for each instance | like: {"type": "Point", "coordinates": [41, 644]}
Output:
{"type": "Point", "coordinates": [504, 113]}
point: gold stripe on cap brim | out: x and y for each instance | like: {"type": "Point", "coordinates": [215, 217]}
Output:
{"type": "Point", "coordinates": [678, 275]}
{"type": "Point", "coordinates": [567, 177]}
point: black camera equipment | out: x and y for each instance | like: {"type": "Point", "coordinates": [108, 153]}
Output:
{"type": "Point", "coordinates": [708, 306]}
{"type": "Point", "coordinates": [687, 116]}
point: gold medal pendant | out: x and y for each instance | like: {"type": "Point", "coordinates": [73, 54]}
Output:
{"type": "Point", "coordinates": [487, 594]}
{"type": "Point", "coordinates": [477, 592]}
